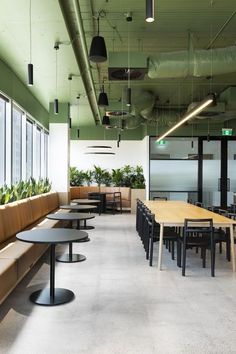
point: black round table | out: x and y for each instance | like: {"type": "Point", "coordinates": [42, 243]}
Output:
{"type": "Point", "coordinates": [52, 296]}
{"type": "Point", "coordinates": [82, 207]}
{"type": "Point", "coordinates": [71, 257]}
{"type": "Point", "coordinates": [88, 201]}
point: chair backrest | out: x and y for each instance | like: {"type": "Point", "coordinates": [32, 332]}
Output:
{"type": "Point", "coordinates": [198, 227]}
{"type": "Point", "coordinates": [199, 204]}
{"type": "Point", "coordinates": [223, 212]}
{"type": "Point", "coordinates": [159, 198]}
{"type": "Point", "coordinates": [117, 196]}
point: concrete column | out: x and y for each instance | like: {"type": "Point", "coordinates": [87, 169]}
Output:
{"type": "Point", "coordinates": [59, 151]}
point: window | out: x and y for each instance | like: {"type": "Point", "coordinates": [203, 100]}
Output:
{"type": "Point", "coordinates": [38, 154]}
{"type": "Point", "coordinates": [2, 140]}
{"type": "Point", "coordinates": [29, 149]}
{"type": "Point", "coordinates": [16, 145]}
{"type": "Point", "coordinates": [45, 154]}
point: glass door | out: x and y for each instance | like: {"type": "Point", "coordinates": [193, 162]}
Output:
{"type": "Point", "coordinates": [211, 173]}
{"type": "Point", "coordinates": [231, 181]}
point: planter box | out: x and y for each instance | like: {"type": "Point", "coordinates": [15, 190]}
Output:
{"type": "Point", "coordinates": [136, 194]}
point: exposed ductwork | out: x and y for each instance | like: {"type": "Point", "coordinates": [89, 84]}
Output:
{"type": "Point", "coordinates": [192, 63]}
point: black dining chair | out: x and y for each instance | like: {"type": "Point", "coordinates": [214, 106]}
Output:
{"type": "Point", "coordinates": [196, 235]}
{"type": "Point", "coordinates": [153, 235]}
{"type": "Point", "coordinates": [159, 198]}
{"type": "Point", "coordinates": [114, 202]}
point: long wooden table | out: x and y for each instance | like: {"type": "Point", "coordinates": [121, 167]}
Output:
{"type": "Point", "coordinates": [173, 213]}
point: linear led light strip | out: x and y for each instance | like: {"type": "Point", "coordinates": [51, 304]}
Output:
{"type": "Point", "coordinates": [193, 112]}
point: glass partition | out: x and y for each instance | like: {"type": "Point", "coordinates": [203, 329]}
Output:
{"type": "Point", "coordinates": [231, 172]}
{"type": "Point", "coordinates": [211, 172]}
{"type": "Point", "coordinates": [174, 168]}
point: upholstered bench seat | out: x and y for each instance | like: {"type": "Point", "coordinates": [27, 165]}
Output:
{"type": "Point", "coordinates": [8, 276]}
{"type": "Point", "coordinates": [16, 257]}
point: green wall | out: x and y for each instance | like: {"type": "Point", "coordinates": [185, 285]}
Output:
{"type": "Point", "coordinates": [13, 87]}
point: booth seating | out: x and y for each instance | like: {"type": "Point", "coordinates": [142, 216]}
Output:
{"type": "Point", "coordinates": [16, 257]}
{"type": "Point", "coordinates": [82, 192]}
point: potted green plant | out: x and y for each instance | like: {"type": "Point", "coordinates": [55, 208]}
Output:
{"type": "Point", "coordinates": [76, 177]}
{"type": "Point", "coordinates": [117, 177]}
{"type": "Point", "coordinates": [137, 187]}
{"type": "Point", "coordinates": [88, 177]}
{"type": "Point", "coordinates": [98, 175]}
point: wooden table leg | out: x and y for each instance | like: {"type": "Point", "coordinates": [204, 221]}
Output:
{"type": "Point", "coordinates": [160, 246]}
{"type": "Point", "coordinates": [232, 247]}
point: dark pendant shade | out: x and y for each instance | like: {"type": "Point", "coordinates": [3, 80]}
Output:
{"type": "Point", "coordinates": [149, 10]}
{"type": "Point", "coordinates": [56, 106]}
{"type": "Point", "coordinates": [98, 52]}
{"type": "Point", "coordinates": [30, 74]}
{"type": "Point", "coordinates": [103, 100]}
{"type": "Point", "coordinates": [105, 120]}
{"type": "Point", "coordinates": [128, 103]}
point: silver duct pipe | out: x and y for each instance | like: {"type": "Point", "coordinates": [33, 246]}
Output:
{"type": "Point", "coordinates": [72, 16]}
{"type": "Point", "coordinates": [192, 63]}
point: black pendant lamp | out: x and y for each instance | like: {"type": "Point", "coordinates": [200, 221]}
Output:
{"type": "Point", "coordinates": [102, 98]}
{"type": "Point", "coordinates": [128, 102]}
{"type": "Point", "coordinates": [149, 10]}
{"type": "Point", "coordinates": [106, 120]}
{"type": "Point", "coordinates": [56, 103]}
{"type": "Point", "coordinates": [98, 52]}
{"type": "Point", "coordinates": [30, 65]}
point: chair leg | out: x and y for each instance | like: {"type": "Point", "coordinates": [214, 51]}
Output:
{"type": "Point", "coordinates": [220, 247]}
{"type": "Point", "coordinates": [184, 260]}
{"type": "Point", "coordinates": [228, 254]}
{"type": "Point", "coordinates": [151, 252]}
{"type": "Point", "coordinates": [173, 250]}
{"type": "Point", "coordinates": [169, 246]}
{"type": "Point", "coordinates": [204, 257]}
{"type": "Point", "coordinates": [196, 249]}
{"type": "Point", "coordinates": [212, 259]}
{"type": "Point", "coordinates": [179, 247]}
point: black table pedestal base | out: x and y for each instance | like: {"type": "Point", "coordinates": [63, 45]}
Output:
{"type": "Point", "coordinates": [71, 258]}
{"type": "Point", "coordinates": [87, 227]}
{"type": "Point", "coordinates": [61, 296]}
{"type": "Point", "coordinates": [84, 240]}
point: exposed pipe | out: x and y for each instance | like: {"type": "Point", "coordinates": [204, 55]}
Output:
{"type": "Point", "coordinates": [78, 41]}
{"type": "Point", "coordinates": [201, 63]}
{"type": "Point", "coordinates": [220, 30]}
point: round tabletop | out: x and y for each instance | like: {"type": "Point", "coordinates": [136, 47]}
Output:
{"type": "Point", "coordinates": [86, 201]}
{"type": "Point", "coordinates": [51, 235]}
{"type": "Point", "coordinates": [78, 207]}
{"type": "Point", "coordinates": [70, 216]}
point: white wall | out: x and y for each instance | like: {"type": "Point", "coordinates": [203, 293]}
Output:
{"type": "Point", "coordinates": [59, 156]}
{"type": "Point", "coordinates": [130, 152]}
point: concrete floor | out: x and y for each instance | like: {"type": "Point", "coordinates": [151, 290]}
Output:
{"type": "Point", "coordinates": [123, 306]}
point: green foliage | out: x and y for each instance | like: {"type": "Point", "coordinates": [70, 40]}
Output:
{"type": "Point", "coordinates": [127, 176]}
{"type": "Point", "coordinates": [88, 177]}
{"type": "Point", "coordinates": [76, 177]}
{"type": "Point", "coordinates": [117, 177]}
{"type": "Point", "coordinates": [23, 189]}
{"type": "Point", "coordinates": [99, 174]}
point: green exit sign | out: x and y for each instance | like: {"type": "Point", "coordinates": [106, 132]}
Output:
{"type": "Point", "coordinates": [227, 131]}
{"type": "Point", "coordinates": [161, 142]}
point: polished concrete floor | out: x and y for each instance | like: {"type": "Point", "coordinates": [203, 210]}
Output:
{"type": "Point", "coordinates": [123, 306]}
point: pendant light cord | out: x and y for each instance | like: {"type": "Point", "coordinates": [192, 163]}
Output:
{"type": "Point", "coordinates": [98, 23]}
{"type": "Point", "coordinates": [56, 72]}
{"type": "Point", "coordinates": [30, 31]}
{"type": "Point", "coordinates": [128, 55]}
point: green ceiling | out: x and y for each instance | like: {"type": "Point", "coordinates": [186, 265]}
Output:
{"type": "Point", "coordinates": [173, 22]}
